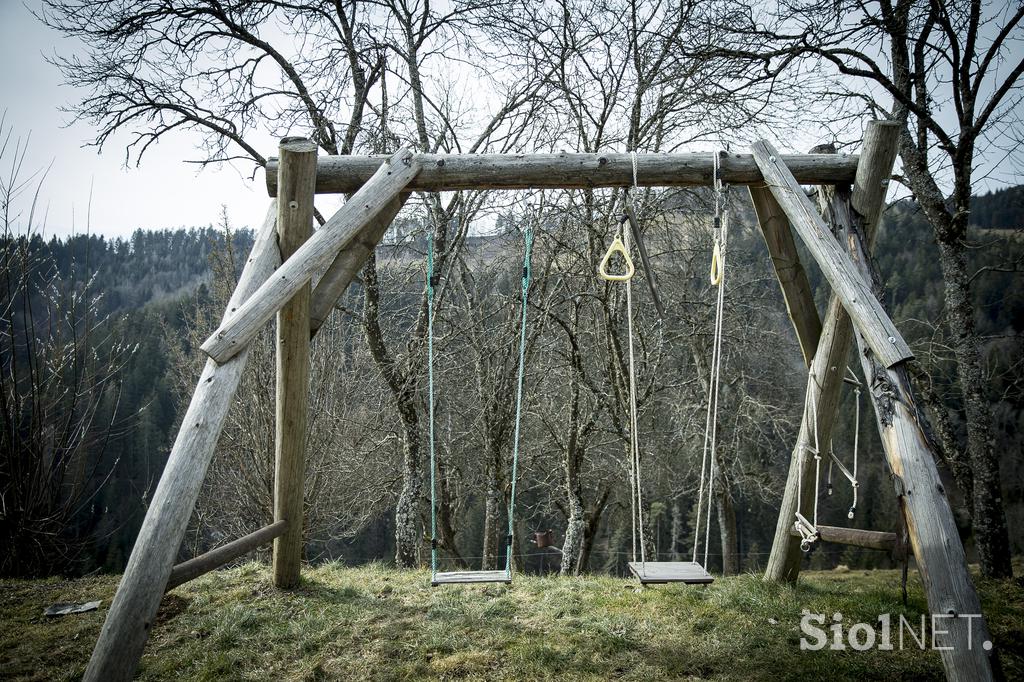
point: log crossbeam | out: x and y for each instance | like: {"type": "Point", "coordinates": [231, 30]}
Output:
{"type": "Point", "coordinates": [451, 172]}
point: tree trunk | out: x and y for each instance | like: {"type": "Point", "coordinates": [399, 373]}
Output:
{"type": "Point", "coordinates": [403, 390]}
{"type": "Point", "coordinates": [572, 548]}
{"type": "Point", "coordinates": [406, 535]}
{"type": "Point", "coordinates": [726, 512]}
{"type": "Point", "coordinates": [950, 227]}
{"type": "Point", "coordinates": [677, 531]}
{"type": "Point", "coordinates": [592, 528]}
{"type": "Point", "coordinates": [988, 515]}
{"type": "Point", "coordinates": [492, 516]}
{"type": "Point", "coordinates": [445, 513]}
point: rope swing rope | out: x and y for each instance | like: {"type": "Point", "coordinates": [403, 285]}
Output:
{"type": "Point", "coordinates": [527, 274]}
{"type": "Point", "coordinates": [622, 244]}
{"type": "Point", "coordinates": [634, 436]}
{"type": "Point", "coordinates": [708, 463]}
{"type": "Point", "coordinates": [432, 281]}
{"type": "Point", "coordinates": [851, 476]}
{"type": "Point", "coordinates": [808, 529]}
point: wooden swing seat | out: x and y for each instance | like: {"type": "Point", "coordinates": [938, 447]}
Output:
{"type": "Point", "coordinates": [470, 577]}
{"type": "Point", "coordinates": [659, 572]}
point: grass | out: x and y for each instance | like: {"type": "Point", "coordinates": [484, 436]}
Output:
{"type": "Point", "coordinates": [374, 622]}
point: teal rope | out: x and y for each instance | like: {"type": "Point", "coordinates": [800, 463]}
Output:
{"type": "Point", "coordinates": [430, 395]}
{"type": "Point", "coordinates": [527, 272]}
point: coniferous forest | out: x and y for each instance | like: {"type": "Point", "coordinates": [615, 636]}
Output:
{"type": "Point", "coordinates": [153, 297]}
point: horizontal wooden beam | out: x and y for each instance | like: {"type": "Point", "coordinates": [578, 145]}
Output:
{"type": "Point", "coordinates": [869, 539]}
{"type": "Point", "coordinates": [836, 264]}
{"type": "Point", "coordinates": [215, 558]}
{"type": "Point", "coordinates": [315, 254]}
{"type": "Point", "coordinates": [447, 172]}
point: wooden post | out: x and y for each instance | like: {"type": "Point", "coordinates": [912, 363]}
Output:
{"type": "Point", "coordinates": [796, 290]}
{"type": "Point", "coordinates": [449, 172]}
{"type": "Point", "coordinates": [131, 614]}
{"type": "Point", "coordinates": [835, 263]}
{"type": "Point", "coordinates": [215, 558]}
{"type": "Point", "coordinates": [297, 177]}
{"type": "Point", "coordinates": [348, 263]}
{"type": "Point", "coordinates": [959, 628]}
{"type": "Point", "coordinates": [318, 252]}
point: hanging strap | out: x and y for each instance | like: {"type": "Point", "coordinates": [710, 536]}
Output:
{"type": "Point", "coordinates": [527, 274]}
{"type": "Point", "coordinates": [431, 283]}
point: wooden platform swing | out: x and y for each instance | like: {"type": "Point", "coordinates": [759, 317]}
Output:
{"type": "Point", "coordinates": [491, 576]}
{"type": "Point", "coordinates": [298, 275]}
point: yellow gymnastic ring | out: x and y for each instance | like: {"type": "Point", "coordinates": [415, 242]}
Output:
{"type": "Point", "coordinates": [602, 269]}
{"type": "Point", "coordinates": [716, 265]}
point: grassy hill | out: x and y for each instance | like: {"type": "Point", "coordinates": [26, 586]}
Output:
{"type": "Point", "coordinates": [374, 622]}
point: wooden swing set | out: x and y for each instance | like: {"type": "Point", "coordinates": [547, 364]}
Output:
{"type": "Point", "coordinates": [278, 280]}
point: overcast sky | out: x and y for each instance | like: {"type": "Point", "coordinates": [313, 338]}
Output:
{"type": "Point", "coordinates": [162, 192]}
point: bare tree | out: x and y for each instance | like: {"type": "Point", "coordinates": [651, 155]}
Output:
{"type": "Point", "coordinates": [949, 73]}
{"type": "Point", "coordinates": [233, 70]}
{"type": "Point", "coordinates": [348, 462]}
{"type": "Point", "coordinates": [60, 383]}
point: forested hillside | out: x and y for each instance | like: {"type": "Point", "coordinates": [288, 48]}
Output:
{"type": "Point", "coordinates": [159, 293]}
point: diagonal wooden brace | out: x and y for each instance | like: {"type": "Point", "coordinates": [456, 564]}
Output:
{"type": "Point", "coordinates": [335, 281]}
{"type": "Point", "coordinates": [316, 254]}
{"type": "Point", "coordinates": [836, 264]}
{"type": "Point", "coordinates": [796, 290]}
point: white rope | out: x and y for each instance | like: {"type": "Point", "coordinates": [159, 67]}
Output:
{"type": "Point", "coordinates": [719, 315]}
{"type": "Point", "coordinates": [808, 529]}
{"type": "Point", "coordinates": [633, 427]}
{"type": "Point", "coordinates": [851, 476]}
{"type": "Point", "coordinates": [834, 459]}
{"type": "Point", "coordinates": [708, 457]}
{"type": "Point", "coordinates": [634, 438]}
